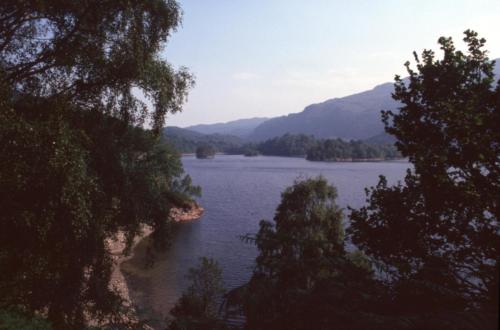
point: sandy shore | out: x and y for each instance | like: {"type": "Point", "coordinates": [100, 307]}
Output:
{"type": "Point", "coordinates": [117, 247]}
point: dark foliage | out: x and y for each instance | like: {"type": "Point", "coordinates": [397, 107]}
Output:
{"type": "Point", "coordinates": [205, 151]}
{"type": "Point", "coordinates": [15, 320]}
{"type": "Point", "coordinates": [305, 278]}
{"type": "Point", "coordinates": [287, 145]}
{"type": "Point", "coordinates": [249, 152]}
{"type": "Point", "coordinates": [336, 149]}
{"type": "Point", "coordinates": [198, 307]}
{"type": "Point", "coordinates": [436, 235]}
{"type": "Point", "coordinates": [186, 141]}
{"type": "Point", "coordinates": [75, 166]}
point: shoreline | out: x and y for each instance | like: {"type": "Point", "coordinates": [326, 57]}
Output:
{"type": "Point", "coordinates": [117, 246]}
{"type": "Point", "coordinates": [336, 160]}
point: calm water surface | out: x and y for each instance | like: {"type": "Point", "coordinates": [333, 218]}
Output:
{"type": "Point", "coordinates": [237, 193]}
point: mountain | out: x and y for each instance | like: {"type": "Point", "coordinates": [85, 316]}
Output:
{"type": "Point", "coordinates": [241, 127]}
{"type": "Point", "coordinates": [355, 116]}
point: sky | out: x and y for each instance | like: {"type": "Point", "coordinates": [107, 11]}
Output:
{"type": "Point", "coordinates": [267, 58]}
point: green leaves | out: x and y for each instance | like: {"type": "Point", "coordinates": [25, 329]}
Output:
{"type": "Point", "coordinates": [446, 212]}
{"type": "Point", "coordinates": [304, 278]}
{"type": "Point", "coordinates": [198, 306]}
{"type": "Point", "coordinates": [76, 168]}
{"type": "Point", "coordinates": [94, 53]}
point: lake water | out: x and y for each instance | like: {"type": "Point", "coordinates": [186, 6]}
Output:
{"type": "Point", "coordinates": [237, 193]}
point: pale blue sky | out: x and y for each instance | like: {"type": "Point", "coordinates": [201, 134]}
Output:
{"type": "Point", "coordinates": [268, 58]}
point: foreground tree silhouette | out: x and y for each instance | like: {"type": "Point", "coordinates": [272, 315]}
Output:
{"type": "Point", "coordinates": [76, 167]}
{"type": "Point", "coordinates": [198, 307]}
{"type": "Point", "coordinates": [304, 277]}
{"type": "Point", "coordinates": [436, 236]}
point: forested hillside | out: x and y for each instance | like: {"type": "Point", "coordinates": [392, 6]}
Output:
{"type": "Point", "coordinates": [186, 141]}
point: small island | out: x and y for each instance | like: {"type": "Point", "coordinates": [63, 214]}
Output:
{"type": "Point", "coordinates": [205, 152]}
{"type": "Point", "coordinates": [250, 152]}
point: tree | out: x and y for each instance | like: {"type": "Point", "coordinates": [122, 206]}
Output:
{"type": "Point", "coordinates": [94, 54]}
{"type": "Point", "coordinates": [198, 306]}
{"type": "Point", "coordinates": [304, 277]}
{"type": "Point", "coordinates": [76, 166]}
{"type": "Point", "coordinates": [436, 235]}
{"type": "Point", "coordinates": [14, 320]}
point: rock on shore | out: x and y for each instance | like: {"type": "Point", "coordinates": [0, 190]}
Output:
{"type": "Point", "coordinates": [117, 247]}
{"type": "Point", "coordinates": [193, 212]}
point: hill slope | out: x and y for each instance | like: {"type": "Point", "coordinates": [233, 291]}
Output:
{"type": "Point", "coordinates": [241, 127]}
{"type": "Point", "coordinates": [186, 141]}
{"type": "Point", "coordinates": [355, 116]}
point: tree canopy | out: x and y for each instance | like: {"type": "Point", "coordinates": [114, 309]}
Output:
{"type": "Point", "coordinates": [304, 276]}
{"type": "Point", "coordinates": [198, 307]}
{"type": "Point", "coordinates": [436, 235]}
{"type": "Point", "coordinates": [76, 166]}
{"type": "Point", "coordinates": [94, 54]}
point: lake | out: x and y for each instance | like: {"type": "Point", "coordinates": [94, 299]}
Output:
{"type": "Point", "coordinates": [237, 193]}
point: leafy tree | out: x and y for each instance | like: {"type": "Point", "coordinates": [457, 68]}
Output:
{"type": "Point", "coordinates": [15, 320]}
{"type": "Point", "coordinates": [94, 53]}
{"type": "Point", "coordinates": [76, 167]}
{"type": "Point", "coordinates": [198, 306]}
{"type": "Point", "coordinates": [436, 235]}
{"type": "Point", "coordinates": [304, 277]}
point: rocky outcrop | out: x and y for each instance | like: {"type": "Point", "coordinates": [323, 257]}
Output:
{"type": "Point", "coordinates": [193, 212]}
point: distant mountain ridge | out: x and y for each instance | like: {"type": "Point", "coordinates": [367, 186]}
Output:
{"type": "Point", "coordinates": [241, 127]}
{"type": "Point", "coordinates": [356, 116]}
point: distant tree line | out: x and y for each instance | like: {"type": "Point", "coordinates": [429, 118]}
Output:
{"type": "Point", "coordinates": [288, 145]}
{"type": "Point", "coordinates": [337, 149]}
{"type": "Point", "coordinates": [205, 151]}
{"type": "Point", "coordinates": [185, 141]}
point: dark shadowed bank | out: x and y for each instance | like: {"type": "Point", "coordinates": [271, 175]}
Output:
{"type": "Point", "coordinates": [132, 274]}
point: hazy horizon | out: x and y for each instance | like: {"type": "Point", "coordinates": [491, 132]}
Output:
{"type": "Point", "coordinates": [267, 59]}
